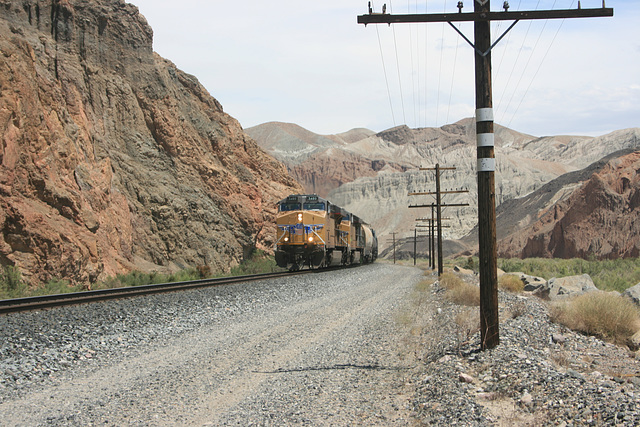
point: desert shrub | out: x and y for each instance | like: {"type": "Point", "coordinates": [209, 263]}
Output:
{"type": "Point", "coordinates": [11, 283]}
{"type": "Point", "coordinates": [204, 271]}
{"type": "Point", "coordinates": [458, 291]}
{"type": "Point", "coordinates": [605, 315]}
{"type": "Point", "coordinates": [180, 276]}
{"type": "Point", "coordinates": [259, 262]}
{"type": "Point", "coordinates": [54, 287]}
{"type": "Point", "coordinates": [510, 283]}
{"type": "Point", "coordinates": [467, 323]}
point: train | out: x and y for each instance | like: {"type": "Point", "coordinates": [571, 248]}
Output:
{"type": "Point", "coordinates": [313, 232]}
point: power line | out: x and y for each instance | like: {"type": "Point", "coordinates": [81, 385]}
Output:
{"type": "Point", "coordinates": [537, 71]}
{"type": "Point", "coordinates": [395, 44]}
{"type": "Point", "coordinates": [384, 69]}
{"type": "Point", "coordinates": [453, 75]}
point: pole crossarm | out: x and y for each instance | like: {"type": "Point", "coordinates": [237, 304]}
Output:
{"type": "Point", "coordinates": [431, 193]}
{"type": "Point", "coordinates": [432, 169]}
{"type": "Point", "coordinates": [450, 205]}
{"type": "Point", "coordinates": [485, 16]}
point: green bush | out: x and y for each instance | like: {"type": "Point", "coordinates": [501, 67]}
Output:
{"type": "Point", "coordinates": [53, 287]}
{"type": "Point", "coordinates": [11, 283]}
{"type": "Point", "coordinates": [259, 262]}
{"type": "Point", "coordinates": [608, 275]}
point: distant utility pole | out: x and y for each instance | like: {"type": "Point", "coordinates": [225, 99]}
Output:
{"type": "Point", "coordinates": [482, 17]}
{"type": "Point", "coordinates": [394, 246]}
{"type": "Point", "coordinates": [415, 244]}
{"type": "Point", "coordinates": [438, 193]}
{"type": "Point", "coordinates": [431, 234]}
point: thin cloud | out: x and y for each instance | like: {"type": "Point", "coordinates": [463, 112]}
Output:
{"type": "Point", "coordinates": [310, 63]}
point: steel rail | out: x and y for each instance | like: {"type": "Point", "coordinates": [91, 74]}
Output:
{"type": "Point", "coordinates": [58, 300]}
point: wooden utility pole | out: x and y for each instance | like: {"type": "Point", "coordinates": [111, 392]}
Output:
{"type": "Point", "coordinates": [415, 245]}
{"type": "Point", "coordinates": [437, 225]}
{"type": "Point", "coordinates": [487, 253]}
{"type": "Point", "coordinates": [482, 17]}
{"type": "Point", "coordinates": [432, 237]}
{"type": "Point", "coordinates": [431, 233]}
{"type": "Point", "coordinates": [394, 246]}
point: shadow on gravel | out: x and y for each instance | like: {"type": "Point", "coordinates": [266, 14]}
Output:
{"type": "Point", "coordinates": [336, 367]}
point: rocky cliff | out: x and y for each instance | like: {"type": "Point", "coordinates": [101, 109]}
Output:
{"type": "Point", "coordinates": [111, 158]}
{"type": "Point", "coordinates": [600, 218]}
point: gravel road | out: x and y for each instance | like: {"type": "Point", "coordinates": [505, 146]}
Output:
{"type": "Point", "coordinates": [319, 349]}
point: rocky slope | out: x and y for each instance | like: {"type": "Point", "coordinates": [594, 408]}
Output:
{"type": "Point", "coordinates": [372, 176]}
{"type": "Point", "coordinates": [111, 158]}
{"type": "Point", "coordinates": [599, 218]}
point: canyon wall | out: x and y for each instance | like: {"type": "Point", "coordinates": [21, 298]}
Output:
{"type": "Point", "coordinates": [111, 158]}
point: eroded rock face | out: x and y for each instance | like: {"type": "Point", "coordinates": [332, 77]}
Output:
{"type": "Point", "coordinates": [111, 158]}
{"type": "Point", "coordinates": [598, 219]}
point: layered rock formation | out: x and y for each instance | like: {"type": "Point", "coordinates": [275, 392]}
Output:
{"type": "Point", "coordinates": [600, 218]}
{"type": "Point", "coordinates": [111, 158]}
{"type": "Point", "coordinates": [373, 174]}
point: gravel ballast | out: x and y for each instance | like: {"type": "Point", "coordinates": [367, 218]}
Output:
{"type": "Point", "coordinates": [313, 349]}
{"type": "Point", "coordinates": [358, 346]}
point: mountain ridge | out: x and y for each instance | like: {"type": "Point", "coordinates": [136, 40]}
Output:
{"type": "Point", "coordinates": [379, 194]}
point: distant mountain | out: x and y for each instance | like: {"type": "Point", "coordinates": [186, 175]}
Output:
{"type": "Point", "coordinates": [372, 174]}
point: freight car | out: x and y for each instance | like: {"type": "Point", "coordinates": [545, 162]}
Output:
{"type": "Point", "coordinates": [316, 233]}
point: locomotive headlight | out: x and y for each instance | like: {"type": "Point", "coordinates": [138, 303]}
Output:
{"type": "Point", "coordinates": [310, 239]}
{"type": "Point", "coordinates": [299, 217]}
{"type": "Point", "coordinates": [286, 239]}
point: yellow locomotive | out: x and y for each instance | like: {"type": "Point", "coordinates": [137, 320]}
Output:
{"type": "Point", "coordinates": [316, 233]}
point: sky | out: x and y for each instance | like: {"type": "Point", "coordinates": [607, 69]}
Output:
{"type": "Point", "coordinates": [311, 63]}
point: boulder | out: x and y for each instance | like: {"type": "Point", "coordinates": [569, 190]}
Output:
{"type": "Point", "coordinates": [634, 341]}
{"type": "Point", "coordinates": [571, 286]}
{"type": "Point", "coordinates": [464, 271]}
{"type": "Point", "coordinates": [633, 293]}
{"type": "Point", "coordinates": [532, 283]}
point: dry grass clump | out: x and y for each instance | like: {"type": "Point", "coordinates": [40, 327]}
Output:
{"type": "Point", "coordinates": [510, 283]}
{"type": "Point", "coordinates": [468, 323]}
{"type": "Point", "coordinates": [458, 291]}
{"type": "Point", "coordinates": [605, 315]}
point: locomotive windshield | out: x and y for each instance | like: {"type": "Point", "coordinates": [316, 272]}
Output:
{"type": "Point", "coordinates": [317, 206]}
{"type": "Point", "coordinates": [284, 207]}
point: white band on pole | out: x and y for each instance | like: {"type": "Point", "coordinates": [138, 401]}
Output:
{"type": "Point", "coordinates": [486, 165]}
{"type": "Point", "coordinates": [484, 115]}
{"type": "Point", "coordinates": [485, 139]}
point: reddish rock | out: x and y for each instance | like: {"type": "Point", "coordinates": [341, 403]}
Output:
{"type": "Point", "coordinates": [599, 219]}
{"type": "Point", "coordinates": [112, 159]}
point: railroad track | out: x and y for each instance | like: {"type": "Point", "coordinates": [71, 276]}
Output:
{"type": "Point", "coordinates": [47, 301]}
